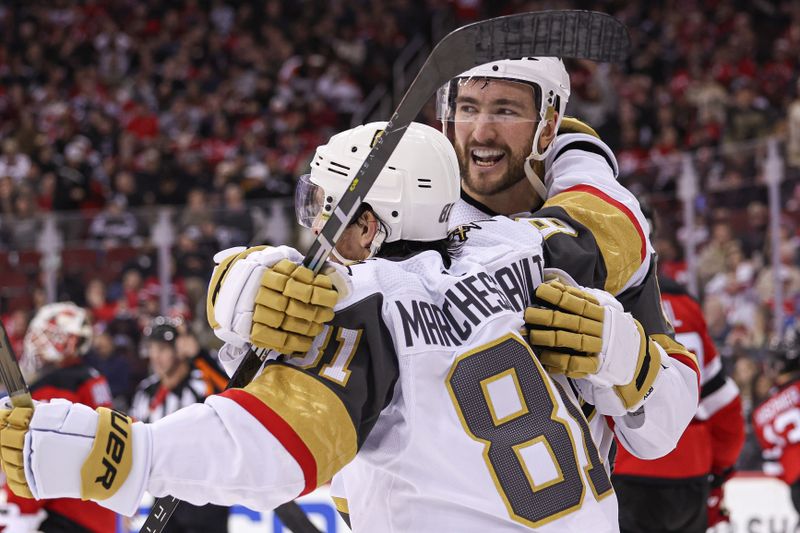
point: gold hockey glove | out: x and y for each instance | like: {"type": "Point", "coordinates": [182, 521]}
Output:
{"type": "Point", "coordinates": [291, 307]}
{"type": "Point", "coordinates": [14, 424]}
{"type": "Point", "coordinates": [262, 296]}
{"type": "Point", "coordinates": [584, 333]}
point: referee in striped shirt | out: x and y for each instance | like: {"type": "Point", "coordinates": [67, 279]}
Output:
{"type": "Point", "coordinates": [176, 382]}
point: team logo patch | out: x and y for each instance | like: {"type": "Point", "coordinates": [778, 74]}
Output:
{"type": "Point", "coordinates": [459, 233]}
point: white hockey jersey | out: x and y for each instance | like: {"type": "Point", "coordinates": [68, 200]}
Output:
{"type": "Point", "coordinates": [424, 385]}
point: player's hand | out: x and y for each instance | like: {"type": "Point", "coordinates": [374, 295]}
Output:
{"type": "Point", "coordinates": [715, 507]}
{"type": "Point", "coordinates": [585, 333]}
{"type": "Point", "coordinates": [292, 305]}
{"type": "Point", "coordinates": [261, 295]}
{"type": "Point", "coordinates": [715, 504]}
{"type": "Point", "coordinates": [66, 450]}
{"type": "Point", "coordinates": [14, 422]}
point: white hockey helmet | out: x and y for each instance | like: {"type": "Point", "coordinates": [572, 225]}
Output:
{"type": "Point", "coordinates": [547, 76]}
{"type": "Point", "coordinates": [412, 195]}
{"type": "Point", "coordinates": [49, 331]}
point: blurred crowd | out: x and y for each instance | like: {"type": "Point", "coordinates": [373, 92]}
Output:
{"type": "Point", "coordinates": [111, 108]}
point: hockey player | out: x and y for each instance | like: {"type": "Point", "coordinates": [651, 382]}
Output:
{"type": "Point", "coordinates": [413, 371]}
{"type": "Point", "coordinates": [776, 422]}
{"type": "Point", "coordinates": [688, 481]}
{"type": "Point", "coordinates": [57, 338]}
{"type": "Point", "coordinates": [692, 474]}
{"type": "Point", "coordinates": [176, 383]}
{"type": "Point", "coordinates": [517, 154]}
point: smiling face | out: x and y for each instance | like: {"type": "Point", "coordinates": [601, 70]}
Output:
{"type": "Point", "coordinates": [495, 123]}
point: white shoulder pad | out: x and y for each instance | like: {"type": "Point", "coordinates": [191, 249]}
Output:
{"type": "Point", "coordinates": [561, 141]}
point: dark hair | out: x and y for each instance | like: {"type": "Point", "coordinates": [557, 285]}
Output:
{"type": "Point", "coordinates": [403, 249]}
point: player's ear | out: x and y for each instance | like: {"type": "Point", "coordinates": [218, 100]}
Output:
{"type": "Point", "coordinates": [368, 228]}
{"type": "Point", "coordinates": [549, 132]}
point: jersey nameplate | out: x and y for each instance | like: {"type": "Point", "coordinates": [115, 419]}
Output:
{"type": "Point", "coordinates": [469, 302]}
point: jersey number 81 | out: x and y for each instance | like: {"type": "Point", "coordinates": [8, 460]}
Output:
{"type": "Point", "coordinates": [506, 402]}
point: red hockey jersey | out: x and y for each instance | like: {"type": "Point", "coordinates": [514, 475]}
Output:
{"type": "Point", "coordinates": [715, 437]}
{"type": "Point", "coordinates": [776, 423]}
{"type": "Point", "coordinates": [76, 383]}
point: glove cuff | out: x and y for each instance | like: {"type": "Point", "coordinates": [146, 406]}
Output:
{"type": "Point", "coordinates": [634, 393]}
{"type": "Point", "coordinates": [126, 500]}
{"type": "Point", "coordinates": [60, 443]}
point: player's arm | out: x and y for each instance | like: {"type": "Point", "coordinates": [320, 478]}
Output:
{"type": "Point", "coordinates": [721, 406]}
{"type": "Point", "coordinates": [655, 430]}
{"type": "Point", "coordinates": [301, 420]}
{"type": "Point", "coordinates": [593, 227]}
{"type": "Point", "coordinates": [95, 391]}
{"type": "Point", "coordinates": [720, 401]}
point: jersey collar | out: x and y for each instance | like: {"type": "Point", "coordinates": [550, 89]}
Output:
{"type": "Point", "coordinates": [477, 205]}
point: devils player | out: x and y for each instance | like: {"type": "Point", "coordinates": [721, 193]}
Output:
{"type": "Point", "coordinates": [57, 338]}
{"type": "Point", "coordinates": [776, 422]}
{"type": "Point", "coordinates": [687, 482]}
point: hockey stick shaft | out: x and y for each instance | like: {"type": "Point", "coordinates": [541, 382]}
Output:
{"type": "Point", "coordinates": [567, 34]}
{"type": "Point", "coordinates": [11, 374]}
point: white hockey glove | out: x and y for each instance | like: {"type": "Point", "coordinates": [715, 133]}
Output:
{"type": "Point", "coordinates": [65, 450]}
{"type": "Point", "coordinates": [261, 295]}
{"type": "Point", "coordinates": [585, 334]}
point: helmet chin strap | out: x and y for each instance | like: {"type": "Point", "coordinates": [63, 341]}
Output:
{"type": "Point", "coordinates": [536, 181]}
{"type": "Point", "coordinates": [374, 248]}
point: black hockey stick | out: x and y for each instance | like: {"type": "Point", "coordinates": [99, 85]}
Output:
{"type": "Point", "coordinates": [567, 34]}
{"type": "Point", "coordinates": [11, 374]}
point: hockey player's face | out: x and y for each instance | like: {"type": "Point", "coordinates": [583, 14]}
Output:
{"type": "Point", "coordinates": [495, 122]}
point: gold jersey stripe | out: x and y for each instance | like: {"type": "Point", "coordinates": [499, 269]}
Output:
{"type": "Point", "coordinates": [315, 413]}
{"type": "Point", "coordinates": [618, 239]}
{"type": "Point", "coordinates": [341, 504]}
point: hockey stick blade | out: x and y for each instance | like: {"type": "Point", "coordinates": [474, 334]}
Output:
{"type": "Point", "coordinates": [11, 374]}
{"type": "Point", "coordinates": [568, 34]}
